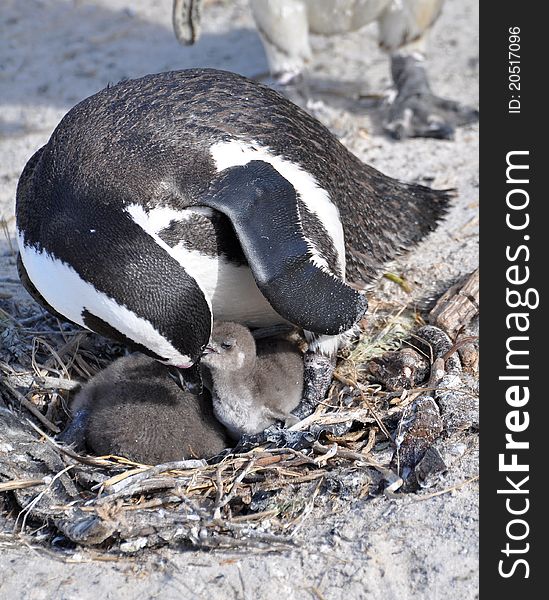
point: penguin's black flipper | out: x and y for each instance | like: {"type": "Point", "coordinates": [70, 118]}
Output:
{"type": "Point", "coordinates": [263, 208]}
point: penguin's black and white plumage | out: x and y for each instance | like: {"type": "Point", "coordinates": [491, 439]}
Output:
{"type": "Point", "coordinates": [161, 202]}
{"type": "Point", "coordinates": [253, 384]}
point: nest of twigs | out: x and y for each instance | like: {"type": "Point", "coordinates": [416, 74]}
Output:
{"type": "Point", "coordinates": [257, 498]}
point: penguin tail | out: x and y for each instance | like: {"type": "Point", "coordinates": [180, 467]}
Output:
{"type": "Point", "coordinates": [395, 217]}
{"type": "Point", "coordinates": [427, 209]}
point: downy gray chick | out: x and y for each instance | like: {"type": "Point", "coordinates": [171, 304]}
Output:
{"type": "Point", "coordinates": [134, 408]}
{"type": "Point", "coordinates": [253, 384]}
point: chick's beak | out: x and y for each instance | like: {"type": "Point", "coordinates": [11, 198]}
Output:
{"type": "Point", "coordinates": [210, 349]}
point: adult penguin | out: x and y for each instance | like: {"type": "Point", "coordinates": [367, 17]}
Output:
{"type": "Point", "coordinates": [163, 202]}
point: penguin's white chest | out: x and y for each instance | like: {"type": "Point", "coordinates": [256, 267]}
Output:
{"type": "Point", "coordinates": [230, 288]}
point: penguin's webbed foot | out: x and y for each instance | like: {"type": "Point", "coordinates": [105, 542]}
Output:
{"type": "Point", "coordinates": [75, 433]}
{"type": "Point", "coordinates": [416, 111]}
{"type": "Point", "coordinates": [277, 436]}
{"type": "Point", "coordinates": [317, 375]}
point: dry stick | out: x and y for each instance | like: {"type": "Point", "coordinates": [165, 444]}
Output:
{"type": "Point", "coordinates": [87, 460]}
{"type": "Point", "coordinates": [264, 514]}
{"type": "Point", "coordinates": [181, 465]}
{"type": "Point", "coordinates": [41, 341]}
{"type": "Point", "coordinates": [258, 455]}
{"type": "Point", "coordinates": [300, 479]}
{"type": "Point", "coordinates": [219, 491]}
{"type": "Point", "coordinates": [45, 383]}
{"type": "Point", "coordinates": [340, 416]}
{"type": "Point", "coordinates": [30, 406]}
{"type": "Point", "coordinates": [308, 508]}
{"type": "Point", "coordinates": [349, 454]}
{"type": "Point", "coordinates": [414, 392]}
{"type": "Point", "coordinates": [74, 343]}
{"type": "Point", "coordinates": [447, 490]}
{"type": "Point", "coordinates": [32, 319]}
{"type": "Point", "coordinates": [3, 313]}
{"type": "Point", "coordinates": [154, 503]}
{"type": "Point", "coordinates": [144, 487]}
{"type": "Point", "coordinates": [19, 484]}
{"type": "Point", "coordinates": [458, 344]}
{"type": "Point", "coordinates": [367, 402]}
{"type": "Point", "coordinates": [224, 501]}
{"type": "Point", "coordinates": [375, 415]}
{"type": "Point", "coordinates": [56, 383]}
{"type": "Point", "coordinates": [394, 479]}
{"type": "Point", "coordinates": [370, 443]}
{"type": "Point", "coordinates": [29, 507]}
{"type": "Point", "coordinates": [317, 593]}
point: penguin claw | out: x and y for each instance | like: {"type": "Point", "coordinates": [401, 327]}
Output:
{"type": "Point", "coordinates": [426, 115]}
{"type": "Point", "coordinates": [276, 436]}
{"type": "Point", "coordinates": [318, 371]}
{"type": "Point", "coordinates": [74, 434]}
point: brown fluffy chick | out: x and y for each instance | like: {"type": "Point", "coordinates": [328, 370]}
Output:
{"type": "Point", "coordinates": [253, 384]}
{"type": "Point", "coordinates": [134, 408]}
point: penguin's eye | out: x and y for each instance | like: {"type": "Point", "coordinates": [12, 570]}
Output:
{"type": "Point", "coordinates": [228, 344]}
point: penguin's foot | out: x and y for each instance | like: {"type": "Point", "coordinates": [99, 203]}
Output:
{"type": "Point", "coordinates": [416, 111]}
{"type": "Point", "coordinates": [276, 436]}
{"type": "Point", "coordinates": [75, 433]}
{"type": "Point", "coordinates": [317, 377]}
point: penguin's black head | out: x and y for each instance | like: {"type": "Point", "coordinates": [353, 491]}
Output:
{"type": "Point", "coordinates": [182, 348]}
{"type": "Point", "coordinates": [177, 343]}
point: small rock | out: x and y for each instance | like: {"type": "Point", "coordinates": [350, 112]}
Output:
{"type": "Point", "coordinates": [420, 426]}
{"type": "Point", "coordinates": [403, 369]}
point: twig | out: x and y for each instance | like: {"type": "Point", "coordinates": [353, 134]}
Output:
{"type": "Point", "coordinates": [181, 465]}
{"type": "Point", "coordinates": [46, 383]}
{"type": "Point", "coordinates": [457, 345]}
{"type": "Point", "coordinates": [87, 460]}
{"type": "Point", "coordinates": [20, 484]}
{"type": "Point", "coordinates": [308, 508]}
{"type": "Point", "coordinates": [29, 406]}
{"type": "Point", "coordinates": [349, 454]}
{"type": "Point", "coordinates": [32, 319]}
{"type": "Point", "coordinates": [374, 414]}
{"type": "Point", "coordinates": [224, 501]}
{"type": "Point", "coordinates": [30, 506]}
{"type": "Point", "coordinates": [219, 491]}
{"type": "Point", "coordinates": [447, 490]}
{"type": "Point", "coordinates": [57, 383]}
{"type": "Point", "coordinates": [265, 514]}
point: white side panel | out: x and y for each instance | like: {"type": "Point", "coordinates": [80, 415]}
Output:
{"type": "Point", "coordinates": [69, 294]}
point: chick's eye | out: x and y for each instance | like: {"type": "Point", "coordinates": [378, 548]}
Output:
{"type": "Point", "coordinates": [227, 344]}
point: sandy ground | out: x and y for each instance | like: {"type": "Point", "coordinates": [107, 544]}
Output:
{"type": "Point", "coordinates": [54, 53]}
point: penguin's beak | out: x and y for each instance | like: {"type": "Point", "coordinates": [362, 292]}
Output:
{"type": "Point", "coordinates": [190, 379]}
